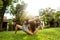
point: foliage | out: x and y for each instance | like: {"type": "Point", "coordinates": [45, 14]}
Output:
{"type": "Point", "coordinates": [18, 12]}
{"type": "Point", "coordinates": [47, 14]}
{"type": "Point", "coordinates": [10, 21]}
{"type": "Point", "coordinates": [45, 34]}
{"type": "Point", "coordinates": [57, 17]}
{"type": "Point", "coordinates": [1, 4]}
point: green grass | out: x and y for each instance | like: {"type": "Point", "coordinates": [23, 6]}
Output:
{"type": "Point", "coordinates": [45, 34]}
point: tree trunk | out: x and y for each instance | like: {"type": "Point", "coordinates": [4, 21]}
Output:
{"type": "Point", "coordinates": [2, 11]}
{"type": "Point", "coordinates": [0, 26]}
{"type": "Point", "coordinates": [1, 20]}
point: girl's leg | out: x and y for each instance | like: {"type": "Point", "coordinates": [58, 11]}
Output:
{"type": "Point", "coordinates": [20, 27]}
{"type": "Point", "coordinates": [17, 27]}
{"type": "Point", "coordinates": [36, 29]}
{"type": "Point", "coordinates": [28, 32]}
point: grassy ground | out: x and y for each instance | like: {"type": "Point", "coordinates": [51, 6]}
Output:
{"type": "Point", "coordinates": [45, 34]}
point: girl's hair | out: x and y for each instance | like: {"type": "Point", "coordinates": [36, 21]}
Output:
{"type": "Point", "coordinates": [26, 22]}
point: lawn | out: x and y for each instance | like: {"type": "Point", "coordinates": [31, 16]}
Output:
{"type": "Point", "coordinates": [45, 34]}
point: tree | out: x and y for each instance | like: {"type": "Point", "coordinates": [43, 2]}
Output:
{"type": "Point", "coordinates": [3, 5]}
{"type": "Point", "coordinates": [57, 18]}
{"type": "Point", "coordinates": [18, 11]}
{"type": "Point", "coordinates": [47, 14]}
{"type": "Point", "coordinates": [46, 11]}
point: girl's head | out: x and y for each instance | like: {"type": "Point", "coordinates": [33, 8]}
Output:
{"type": "Point", "coordinates": [26, 22]}
{"type": "Point", "coordinates": [36, 18]}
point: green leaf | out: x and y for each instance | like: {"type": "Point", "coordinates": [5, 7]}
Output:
{"type": "Point", "coordinates": [1, 4]}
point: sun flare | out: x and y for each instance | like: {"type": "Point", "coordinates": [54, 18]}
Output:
{"type": "Point", "coordinates": [33, 6]}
